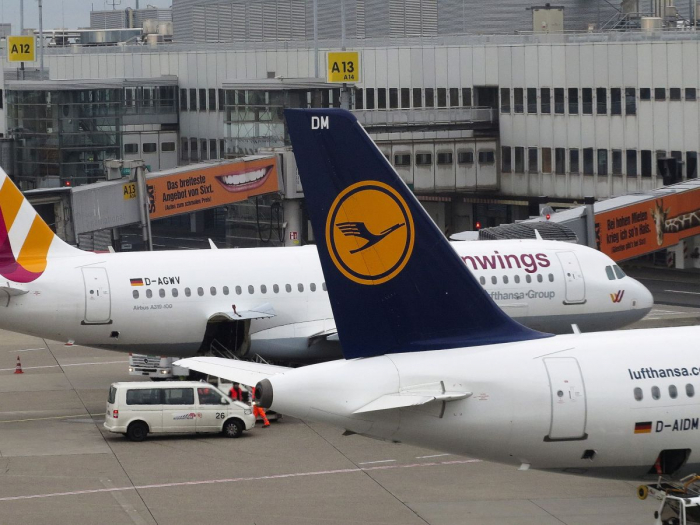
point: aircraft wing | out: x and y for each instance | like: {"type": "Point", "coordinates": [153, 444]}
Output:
{"type": "Point", "coordinates": [419, 395]}
{"type": "Point", "coordinates": [262, 311]}
{"type": "Point", "coordinates": [243, 372]}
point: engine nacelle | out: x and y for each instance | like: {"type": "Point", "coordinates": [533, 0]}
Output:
{"type": "Point", "coordinates": [263, 393]}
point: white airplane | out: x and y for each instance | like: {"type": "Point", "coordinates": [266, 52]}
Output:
{"type": "Point", "coordinates": [432, 361]}
{"type": "Point", "coordinates": [265, 301]}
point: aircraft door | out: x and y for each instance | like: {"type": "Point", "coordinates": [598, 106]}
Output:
{"type": "Point", "coordinates": [98, 305]}
{"type": "Point", "coordinates": [573, 277]}
{"type": "Point", "coordinates": [568, 420]}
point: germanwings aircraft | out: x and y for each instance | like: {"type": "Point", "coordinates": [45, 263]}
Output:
{"type": "Point", "coordinates": [431, 360]}
{"type": "Point", "coordinates": [266, 301]}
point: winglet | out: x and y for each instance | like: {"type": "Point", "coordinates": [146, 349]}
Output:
{"type": "Point", "coordinates": [394, 282]}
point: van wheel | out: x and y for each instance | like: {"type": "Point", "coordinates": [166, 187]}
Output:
{"type": "Point", "coordinates": [137, 431]}
{"type": "Point", "coordinates": [233, 428]}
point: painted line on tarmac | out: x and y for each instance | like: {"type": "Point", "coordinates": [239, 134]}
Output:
{"type": "Point", "coordinates": [241, 480]}
{"type": "Point", "coordinates": [40, 418]}
{"type": "Point", "coordinates": [27, 350]}
{"type": "Point", "coordinates": [682, 291]}
{"type": "Point", "coordinates": [433, 456]}
{"type": "Point", "coordinates": [63, 366]}
{"type": "Point", "coordinates": [380, 461]}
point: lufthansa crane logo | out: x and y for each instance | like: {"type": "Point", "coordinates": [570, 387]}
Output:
{"type": "Point", "coordinates": [370, 233]}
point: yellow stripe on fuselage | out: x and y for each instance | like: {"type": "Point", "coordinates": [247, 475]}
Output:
{"type": "Point", "coordinates": [32, 256]}
{"type": "Point", "coordinates": [10, 202]}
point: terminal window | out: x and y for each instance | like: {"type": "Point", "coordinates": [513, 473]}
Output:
{"type": "Point", "coordinates": [167, 146]}
{"type": "Point", "coordinates": [402, 159]}
{"type": "Point", "coordinates": [659, 93]}
{"type": "Point", "coordinates": [393, 98]}
{"type": "Point", "coordinates": [586, 101]}
{"type": "Point", "coordinates": [505, 159]}
{"type": "Point", "coordinates": [359, 92]}
{"type": "Point", "coordinates": [573, 160]}
{"type": "Point", "coordinates": [588, 161]}
{"type": "Point", "coordinates": [631, 158]}
{"type": "Point", "coordinates": [405, 98]}
{"type": "Point", "coordinates": [546, 160]}
{"type": "Point", "coordinates": [674, 93]}
{"type": "Point", "coordinates": [444, 158]}
{"type": "Point", "coordinates": [212, 99]}
{"type": "Point", "coordinates": [518, 100]}
{"type": "Point", "coordinates": [150, 147]}
{"type": "Point", "coordinates": [429, 98]}
{"type": "Point", "coordinates": [573, 101]}
{"type": "Point", "coordinates": [222, 102]}
{"type": "Point", "coordinates": [615, 101]}
{"type": "Point", "coordinates": [602, 162]}
{"type": "Point", "coordinates": [183, 100]}
{"type": "Point", "coordinates": [370, 98]}
{"type": "Point", "coordinates": [545, 100]}
{"type": "Point", "coordinates": [487, 157]}
{"type": "Point", "coordinates": [202, 99]}
{"type": "Point", "coordinates": [532, 100]}
{"type": "Point", "coordinates": [560, 161]}
{"type": "Point", "coordinates": [690, 94]}
{"type": "Point", "coordinates": [417, 98]}
{"type": "Point", "coordinates": [617, 162]}
{"type": "Point", "coordinates": [442, 97]}
{"type": "Point", "coordinates": [467, 97]}
{"type": "Point", "coordinates": [532, 160]}
{"type": "Point", "coordinates": [131, 148]}
{"type": "Point", "coordinates": [212, 149]}
{"type": "Point", "coordinates": [644, 93]}
{"type": "Point", "coordinates": [454, 97]}
{"type": "Point", "coordinates": [646, 163]}
{"type": "Point", "coordinates": [505, 100]}
{"type": "Point", "coordinates": [381, 98]}
{"type": "Point", "coordinates": [519, 159]}
{"type": "Point", "coordinates": [691, 159]}
{"type": "Point", "coordinates": [559, 101]}
{"type": "Point", "coordinates": [467, 156]}
{"type": "Point", "coordinates": [424, 159]}
{"type": "Point", "coordinates": [601, 99]}
{"type": "Point", "coordinates": [630, 101]}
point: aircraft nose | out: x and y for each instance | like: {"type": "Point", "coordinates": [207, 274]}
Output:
{"type": "Point", "coordinates": [643, 297]}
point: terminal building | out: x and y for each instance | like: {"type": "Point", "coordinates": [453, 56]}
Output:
{"type": "Point", "coordinates": [487, 111]}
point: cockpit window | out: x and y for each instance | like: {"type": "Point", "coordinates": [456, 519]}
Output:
{"type": "Point", "coordinates": [609, 271]}
{"type": "Point", "coordinates": [618, 271]}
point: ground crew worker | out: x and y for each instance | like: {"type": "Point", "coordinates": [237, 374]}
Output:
{"type": "Point", "coordinates": [236, 393]}
{"type": "Point", "coordinates": [259, 412]}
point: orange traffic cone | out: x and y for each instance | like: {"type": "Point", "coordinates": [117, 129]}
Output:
{"type": "Point", "coordinates": [18, 368]}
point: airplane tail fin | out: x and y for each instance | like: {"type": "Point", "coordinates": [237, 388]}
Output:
{"type": "Point", "coordinates": [26, 241]}
{"type": "Point", "coordinates": [395, 283]}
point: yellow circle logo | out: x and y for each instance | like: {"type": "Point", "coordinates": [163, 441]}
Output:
{"type": "Point", "coordinates": [369, 233]}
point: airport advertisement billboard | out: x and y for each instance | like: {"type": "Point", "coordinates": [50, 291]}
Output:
{"type": "Point", "coordinates": [203, 187]}
{"type": "Point", "coordinates": [648, 226]}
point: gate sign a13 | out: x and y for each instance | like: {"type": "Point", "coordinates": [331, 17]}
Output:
{"type": "Point", "coordinates": [343, 67]}
{"type": "Point", "coordinates": [21, 49]}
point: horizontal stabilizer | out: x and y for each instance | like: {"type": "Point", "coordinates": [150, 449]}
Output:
{"type": "Point", "coordinates": [327, 335]}
{"type": "Point", "coordinates": [243, 372]}
{"type": "Point", "coordinates": [7, 292]}
{"type": "Point", "coordinates": [263, 311]}
{"type": "Point", "coordinates": [415, 396]}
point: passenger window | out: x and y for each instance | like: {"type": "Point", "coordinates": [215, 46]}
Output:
{"type": "Point", "coordinates": [200, 291]}
{"type": "Point", "coordinates": [175, 292]}
{"type": "Point", "coordinates": [275, 288]}
{"type": "Point", "coordinates": [323, 285]}
{"type": "Point", "coordinates": [482, 280]}
{"type": "Point", "coordinates": [638, 394]}
{"type": "Point", "coordinates": [288, 287]}
{"type": "Point", "coordinates": [263, 288]}
{"type": "Point", "coordinates": [528, 278]}
{"type": "Point", "coordinates": [609, 271]}
{"type": "Point", "coordinates": [551, 277]}
{"type": "Point", "coordinates": [655, 392]}
{"type": "Point", "coordinates": [143, 396]}
{"type": "Point", "coordinates": [161, 292]}
{"type": "Point", "coordinates": [505, 279]}
{"type": "Point", "coordinates": [539, 278]}
{"type": "Point", "coordinates": [673, 391]}
{"type": "Point", "coordinates": [618, 271]}
{"type": "Point", "coordinates": [300, 287]}
{"type": "Point", "coordinates": [238, 290]}
{"type": "Point", "coordinates": [149, 293]}
{"type": "Point", "coordinates": [689, 390]}
{"type": "Point", "coordinates": [135, 293]}
{"type": "Point", "coordinates": [208, 396]}
{"type": "Point", "coordinates": [251, 289]}
{"type": "Point", "coordinates": [188, 292]}
{"type": "Point", "coordinates": [516, 279]}
{"type": "Point", "coordinates": [178, 396]}
{"type": "Point", "coordinates": [225, 290]}
{"type": "Point", "coordinates": [312, 286]}
{"type": "Point", "coordinates": [212, 290]}
{"type": "Point", "coordinates": [494, 279]}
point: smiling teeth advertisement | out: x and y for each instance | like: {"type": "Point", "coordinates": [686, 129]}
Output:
{"type": "Point", "coordinates": [194, 189]}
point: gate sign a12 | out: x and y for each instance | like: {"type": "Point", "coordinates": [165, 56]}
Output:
{"type": "Point", "coordinates": [21, 49]}
{"type": "Point", "coordinates": [343, 67]}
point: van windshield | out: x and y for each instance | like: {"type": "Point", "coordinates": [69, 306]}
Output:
{"type": "Point", "coordinates": [112, 395]}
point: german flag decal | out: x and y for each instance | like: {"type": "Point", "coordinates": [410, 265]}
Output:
{"type": "Point", "coordinates": [642, 428]}
{"type": "Point", "coordinates": [139, 282]}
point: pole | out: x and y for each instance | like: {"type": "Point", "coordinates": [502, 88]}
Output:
{"type": "Point", "coordinates": [143, 203]}
{"type": "Point", "coordinates": [316, 38]}
{"type": "Point", "coordinates": [41, 36]}
{"type": "Point", "coordinates": [21, 17]}
{"type": "Point", "coordinates": [342, 24]}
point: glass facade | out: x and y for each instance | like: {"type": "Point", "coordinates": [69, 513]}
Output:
{"type": "Point", "coordinates": [63, 136]}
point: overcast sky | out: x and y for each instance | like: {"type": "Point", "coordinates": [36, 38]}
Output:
{"type": "Point", "coordinates": [63, 13]}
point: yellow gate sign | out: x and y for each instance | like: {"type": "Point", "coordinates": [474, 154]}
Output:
{"type": "Point", "coordinates": [343, 66]}
{"type": "Point", "coordinates": [129, 191]}
{"type": "Point", "coordinates": [21, 49]}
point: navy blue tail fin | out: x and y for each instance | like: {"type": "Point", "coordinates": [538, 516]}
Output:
{"type": "Point", "coordinates": [394, 281]}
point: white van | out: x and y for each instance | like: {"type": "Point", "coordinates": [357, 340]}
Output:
{"type": "Point", "coordinates": [135, 409]}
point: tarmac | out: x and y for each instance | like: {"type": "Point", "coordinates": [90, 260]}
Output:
{"type": "Point", "coordinates": [58, 465]}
